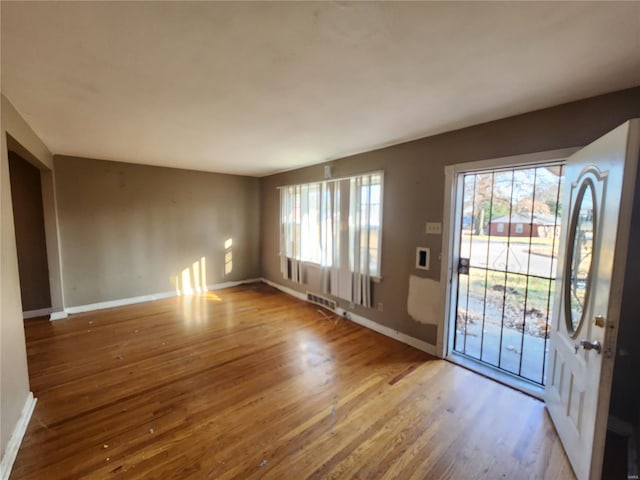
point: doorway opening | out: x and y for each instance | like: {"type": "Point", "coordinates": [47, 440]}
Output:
{"type": "Point", "coordinates": [505, 240]}
{"type": "Point", "coordinates": [31, 244]}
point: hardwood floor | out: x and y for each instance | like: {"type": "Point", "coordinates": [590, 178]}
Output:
{"type": "Point", "coordinates": [250, 383]}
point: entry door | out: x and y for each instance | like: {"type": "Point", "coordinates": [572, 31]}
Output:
{"type": "Point", "coordinates": [599, 187]}
{"type": "Point", "coordinates": [507, 241]}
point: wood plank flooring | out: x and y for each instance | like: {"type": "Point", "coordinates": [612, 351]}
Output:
{"type": "Point", "coordinates": [249, 383]}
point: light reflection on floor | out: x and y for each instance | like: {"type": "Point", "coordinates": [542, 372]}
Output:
{"type": "Point", "coordinates": [315, 361]}
{"type": "Point", "coordinates": [195, 308]}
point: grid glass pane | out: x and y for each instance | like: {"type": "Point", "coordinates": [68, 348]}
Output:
{"type": "Point", "coordinates": [509, 230]}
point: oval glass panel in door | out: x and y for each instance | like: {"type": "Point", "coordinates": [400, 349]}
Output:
{"type": "Point", "coordinates": [579, 257]}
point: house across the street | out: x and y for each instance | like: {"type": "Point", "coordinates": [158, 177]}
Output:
{"type": "Point", "coordinates": [518, 225]}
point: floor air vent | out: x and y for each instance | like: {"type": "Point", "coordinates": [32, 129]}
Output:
{"type": "Point", "coordinates": [322, 301]}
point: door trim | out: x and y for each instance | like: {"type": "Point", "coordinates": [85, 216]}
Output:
{"type": "Point", "coordinates": [452, 194]}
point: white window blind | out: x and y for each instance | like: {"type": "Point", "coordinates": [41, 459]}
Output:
{"type": "Point", "coordinates": [311, 232]}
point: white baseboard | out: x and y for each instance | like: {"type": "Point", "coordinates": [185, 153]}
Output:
{"type": "Point", "coordinates": [58, 315]}
{"type": "Point", "coordinates": [36, 313]}
{"type": "Point", "coordinates": [287, 290]}
{"type": "Point", "coordinates": [365, 322]}
{"type": "Point", "coordinates": [143, 298]}
{"type": "Point", "coordinates": [220, 286]}
{"type": "Point", "coordinates": [16, 437]}
{"type": "Point", "coordinates": [118, 303]}
{"type": "Point", "coordinates": [396, 335]}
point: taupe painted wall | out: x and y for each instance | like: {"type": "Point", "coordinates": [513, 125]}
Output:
{"type": "Point", "coordinates": [14, 378]}
{"type": "Point", "coordinates": [28, 217]}
{"type": "Point", "coordinates": [414, 189]}
{"type": "Point", "coordinates": [128, 230]}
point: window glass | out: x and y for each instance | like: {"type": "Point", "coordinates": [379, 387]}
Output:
{"type": "Point", "coordinates": [311, 227]}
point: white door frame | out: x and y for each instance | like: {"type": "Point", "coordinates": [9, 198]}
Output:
{"type": "Point", "coordinates": [452, 207]}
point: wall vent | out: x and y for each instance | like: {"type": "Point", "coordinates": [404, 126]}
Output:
{"type": "Point", "coordinates": [322, 301]}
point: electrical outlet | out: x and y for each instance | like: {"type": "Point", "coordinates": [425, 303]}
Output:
{"type": "Point", "coordinates": [380, 307]}
{"type": "Point", "coordinates": [352, 305]}
{"type": "Point", "coordinates": [434, 228]}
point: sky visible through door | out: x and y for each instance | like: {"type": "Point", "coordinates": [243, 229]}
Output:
{"type": "Point", "coordinates": [509, 230]}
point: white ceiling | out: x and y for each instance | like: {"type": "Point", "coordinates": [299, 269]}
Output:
{"type": "Point", "coordinates": [255, 88]}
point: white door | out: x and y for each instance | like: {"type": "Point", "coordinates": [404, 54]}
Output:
{"type": "Point", "coordinates": [599, 187]}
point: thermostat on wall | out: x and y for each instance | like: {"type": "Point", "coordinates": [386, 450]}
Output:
{"type": "Point", "coordinates": [423, 255]}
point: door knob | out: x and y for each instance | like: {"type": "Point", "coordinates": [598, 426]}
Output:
{"type": "Point", "coordinates": [589, 345]}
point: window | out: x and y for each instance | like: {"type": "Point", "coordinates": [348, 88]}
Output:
{"type": "Point", "coordinates": [500, 228]}
{"type": "Point", "coordinates": [301, 216]}
{"type": "Point", "coordinates": [365, 218]}
{"type": "Point", "coordinates": [519, 228]}
{"type": "Point", "coordinates": [311, 230]}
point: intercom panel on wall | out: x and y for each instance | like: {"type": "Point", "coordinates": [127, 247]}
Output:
{"type": "Point", "coordinates": [423, 258]}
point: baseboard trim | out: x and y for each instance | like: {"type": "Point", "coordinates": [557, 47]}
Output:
{"type": "Point", "coordinates": [220, 286]}
{"type": "Point", "coordinates": [36, 313]}
{"type": "Point", "coordinates": [143, 298]}
{"type": "Point", "coordinates": [58, 315]}
{"type": "Point", "coordinates": [15, 441]}
{"type": "Point", "coordinates": [395, 334]}
{"type": "Point", "coordinates": [117, 303]}
{"type": "Point", "coordinates": [287, 290]}
{"type": "Point", "coordinates": [365, 322]}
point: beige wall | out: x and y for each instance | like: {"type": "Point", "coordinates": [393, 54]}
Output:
{"type": "Point", "coordinates": [28, 218]}
{"type": "Point", "coordinates": [414, 189]}
{"type": "Point", "coordinates": [128, 230]}
{"type": "Point", "coordinates": [14, 379]}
